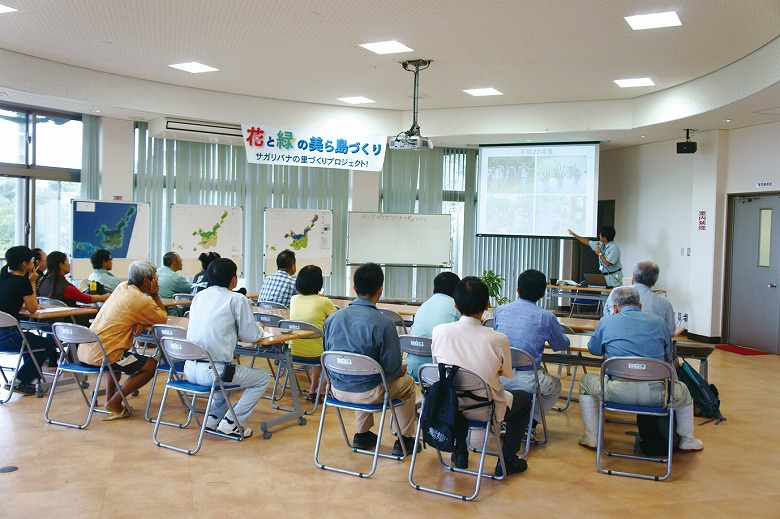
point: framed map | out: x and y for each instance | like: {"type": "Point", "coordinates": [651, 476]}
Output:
{"type": "Point", "coordinates": [206, 228]}
{"type": "Point", "coordinates": [122, 228]}
{"type": "Point", "coordinates": [306, 232]}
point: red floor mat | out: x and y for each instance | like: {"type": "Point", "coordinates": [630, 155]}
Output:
{"type": "Point", "coordinates": [740, 350]}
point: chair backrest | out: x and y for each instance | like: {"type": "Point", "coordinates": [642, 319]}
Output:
{"type": "Point", "coordinates": [345, 363]}
{"type": "Point", "coordinates": [267, 319]}
{"type": "Point", "coordinates": [291, 324]}
{"type": "Point", "coordinates": [396, 318]}
{"type": "Point", "coordinates": [8, 321]}
{"type": "Point", "coordinates": [50, 301]}
{"type": "Point", "coordinates": [637, 369]}
{"type": "Point", "coordinates": [465, 380]}
{"type": "Point", "coordinates": [271, 304]}
{"type": "Point", "coordinates": [69, 333]}
{"type": "Point", "coordinates": [183, 297]}
{"type": "Point", "coordinates": [416, 345]}
{"type": "Point", "coordinates": [568, 330]}
{"type": "Point", "coordinates": [182, 349]}
{"type": "Point", "coordinates": [163, 331]}
{"type": "Point", "coordinates": [489, 323]}
{"type": "Point", "coordinates": [522, 359]}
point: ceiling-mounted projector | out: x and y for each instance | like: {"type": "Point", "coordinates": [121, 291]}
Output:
{"type": "Point", "coordinates": [411, 138]}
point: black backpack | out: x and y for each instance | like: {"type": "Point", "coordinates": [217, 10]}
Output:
{"type": "Point", "coordinates": [705, 396]}
{"type": "Point", "coordinates": [653, 437]}
{"type": "Point", "coordinates": [441, 415]}
{"type": "Point", "coordinates": [439, 411]}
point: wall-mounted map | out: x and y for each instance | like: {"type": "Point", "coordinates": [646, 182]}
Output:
{"type": "Point", "coordinates": [306, 232]}
{"type": "Point", "coordinates": [122, 228]}
{"type": "Point", "coordinates": [206, 228]}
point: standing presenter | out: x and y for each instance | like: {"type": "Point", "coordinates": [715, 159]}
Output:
{"type": "Point", "coordinates": [608, 254]}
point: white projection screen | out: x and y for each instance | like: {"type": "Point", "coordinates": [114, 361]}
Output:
{"type": "Point", "coordinates": [538, 190]}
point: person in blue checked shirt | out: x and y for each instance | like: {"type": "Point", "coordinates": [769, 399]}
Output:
{"type": "Point", "coordinates": [528, 327]}
{"type": "Point", "coordinates": [280, 287]}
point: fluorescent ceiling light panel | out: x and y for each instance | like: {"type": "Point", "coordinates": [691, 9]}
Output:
{"type": "Point", "coordinates": [6, 9]}
{"type": "Point", "coordinates": [386, 47]}
{"type": "Point", "coordinates": [194, 67]}
{"type": "Point", "coordinates": [356, 100]}
{"type": "Point", "coordinates": [479, 92]}
{"type": "Point", "coordinates": [653, 21]}
{"type": "Point", "coordinates": [635, 82]}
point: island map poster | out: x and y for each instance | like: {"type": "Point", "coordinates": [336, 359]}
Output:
{"type": "Point", "coordinates": [306, 232]}
{"type": "Point", "coordinates": [122, 228]}
{"type": "Point", "coordinates": [196, 229]}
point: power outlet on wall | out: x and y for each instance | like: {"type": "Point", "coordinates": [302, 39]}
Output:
{"type": "Point", "coordinates": [685, 318]}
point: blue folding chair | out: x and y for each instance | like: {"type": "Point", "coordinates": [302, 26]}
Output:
{"type": "Point", "coordinates": [183, 350]}
{"type": "Point", "coordinates": [466, 383]}
{"type": "Point", "coordinates": [67, 337]}
{"type": "Point", "coordinates": [159, 332]}
{"type": "Point", "coordinates": [344, 363]}
{"type": "Point", "coordinates": [638, 370]}
{"type": "Point", "coordinates": [8, 323]}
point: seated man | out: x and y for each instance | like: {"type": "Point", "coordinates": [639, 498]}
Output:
{"type": "Point", "coordinates": [102, 262]}
{"type": "Point", "coordinates": [361, 328]}
{"type": "Point", "coordinates": [219, 318]}
{"type": "Point", "coordinates": [476, 348]}
{"type": "Point", "coordinates": [645, 277]}
{"type": "Point", "coordinates": [631, 332]}
{"type": "Point", "coordinates": [439, 309]}
{"type": "Point", "coordinates": [280, 287]}
{"type": "Point", "coordinates": [528, 328]}
{"type": "Point", "coordinates": [171, 282]}
{"type": "Point", "coordinates": [133, 306]}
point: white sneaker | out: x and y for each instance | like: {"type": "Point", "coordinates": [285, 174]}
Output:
{"type": "Point", "coordinates": [212, 422]}
{"type": "Point", "coordinates": [229, 427]}
{"type": "Point", "coordinates": [690, 444]}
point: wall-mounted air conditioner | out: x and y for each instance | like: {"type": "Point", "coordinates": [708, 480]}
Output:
{"type": "Point", "coordinates": [197, 131]}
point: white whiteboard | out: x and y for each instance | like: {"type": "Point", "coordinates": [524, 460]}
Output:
{"type": "Point", "coordinates": [206, 228]}
{"type": "Point", "coordinates": [399, 239]}
{"type": "Point", "coordinates": [306, 232]}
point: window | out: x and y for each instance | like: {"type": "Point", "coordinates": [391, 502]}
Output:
{"type": "Point", "coordinates": [40, 173]}
{"type": "Point", "coordinates": [453, 202]}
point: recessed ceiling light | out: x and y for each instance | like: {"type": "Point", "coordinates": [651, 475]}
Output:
{"type": "Point", "coordinates": [6, 9]}
{"type": "Point", "coordinates": [95, 111]}
{"type": "Point", "coordinates": [643, 136]}
{"type": "Point", "coordinates": [194, 67]}
{"type": "Point", "coordinates": [386, 47]}
{"type": "Point", "coordinates": [356, 100]}
{"type": "Point", "coordinates": [478, 92]}
{"type": "Point", "coordinates": [634, 82]}
{"type": "Point", "coordinates": [653, 21]}
{"type": "Point", "coordinates": [3, 94]}
{"type": "Point", "coordinates": [728, 120]}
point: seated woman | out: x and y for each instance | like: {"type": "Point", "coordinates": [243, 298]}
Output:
{"type": "Point", "coordinates": [312, 308]}
{"type": "Point", "coordinates": [55, 285]}
{"type": "Point", "coordinates": [17, 290]}
{"type": "Point", "coordinates": [200, 281]}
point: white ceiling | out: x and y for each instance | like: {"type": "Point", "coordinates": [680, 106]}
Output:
{"type": "Point", "coordinates": [554, 60]}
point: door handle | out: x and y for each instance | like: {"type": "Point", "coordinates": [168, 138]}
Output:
{"type": "Point", "coordinates": [772, 285]}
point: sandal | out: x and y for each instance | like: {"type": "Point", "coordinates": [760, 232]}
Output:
{"type": "Point", "coordinates": [116, 416]}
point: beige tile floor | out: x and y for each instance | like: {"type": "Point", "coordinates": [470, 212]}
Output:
{"type": "Point", "coordinates": [112, 469]}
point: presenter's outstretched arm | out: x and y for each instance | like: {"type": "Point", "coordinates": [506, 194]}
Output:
{"type": "Point", "coordinates": [579, 238]}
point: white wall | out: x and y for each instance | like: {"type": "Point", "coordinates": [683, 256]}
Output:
{"type": "Point", "coordinates": [658, 195]}
{"type": "Point", "coordinates": [116, 159]}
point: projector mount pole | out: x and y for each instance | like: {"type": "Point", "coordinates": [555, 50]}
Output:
{"type": "Point", "coordinates": [417, 65]}
{"type": "Point", "coordinates": [688, 134]}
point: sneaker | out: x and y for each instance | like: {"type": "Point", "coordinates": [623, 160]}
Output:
{"type": "Point", "coordinates": [364, 441]}
{"type": "Point", "coordinates": [212, 422]}
{"type": "Point", "coordinates": [408, 443]}
{"type": "Point", "coordinates": [513, 466]}
{"type": "Point", "coordinates": [230, 428]}
{"type": "Point", "coordinates": [460, 460]}
{"type": "Point", "coordinates": [690, 444]}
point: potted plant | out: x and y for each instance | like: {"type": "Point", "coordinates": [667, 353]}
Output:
{"type": "Point", "coordinates": [494, 284]}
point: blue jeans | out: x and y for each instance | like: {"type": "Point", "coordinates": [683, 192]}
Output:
{"type": "Point", "coordinates": [11, 341]}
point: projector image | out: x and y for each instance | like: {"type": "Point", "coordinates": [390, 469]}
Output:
{"type": "Point", "coordinates": [686, 147]}
{"type": "Point", "coordinates": [410, 142]}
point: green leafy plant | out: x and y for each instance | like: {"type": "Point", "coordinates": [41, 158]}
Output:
{"type": "Point", "coordinates": [494, 284]}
